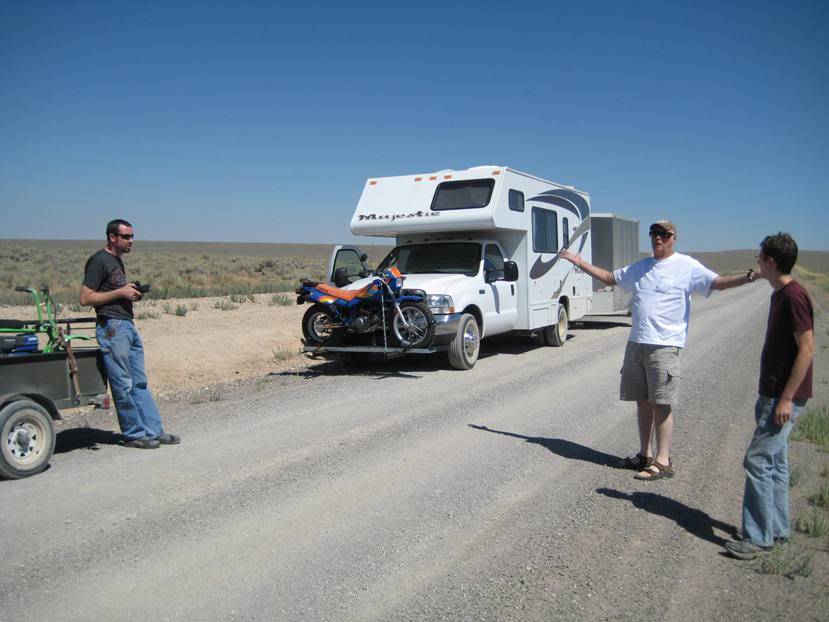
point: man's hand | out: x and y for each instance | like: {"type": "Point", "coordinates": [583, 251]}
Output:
{"type": "Point", "coordinates": [783, 411]}
{"type": "Point", "coordinates": [130, 292]}
{"type": "Point", "coordinates": [570, 256]}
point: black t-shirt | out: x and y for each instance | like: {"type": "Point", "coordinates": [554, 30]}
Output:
{"type": "Point", "coordinates": [105, 272]}
{"type": "Point", "coordinates": [790, 312]}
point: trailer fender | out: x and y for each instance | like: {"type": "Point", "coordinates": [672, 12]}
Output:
{"type": "Point", "coordinates": [35, 397]}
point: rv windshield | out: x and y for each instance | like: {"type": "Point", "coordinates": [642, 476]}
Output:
{"type": "Point", "coordinates": [443, 257]}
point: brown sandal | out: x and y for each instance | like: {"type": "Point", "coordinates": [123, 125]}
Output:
{"type": "Point", "coordinates": [635, 463]}
{"type": "Point", "coordinates": [655, 471]}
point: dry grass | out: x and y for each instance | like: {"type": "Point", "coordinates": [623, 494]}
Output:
{"type": "Point", "coordinates": [174, 269]}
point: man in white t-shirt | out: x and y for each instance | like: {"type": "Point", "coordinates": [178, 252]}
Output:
{"type": "Point", "coordinates": [661, 305]}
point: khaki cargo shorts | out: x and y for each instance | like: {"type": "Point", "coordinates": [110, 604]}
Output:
{"type": "Point", "coordinates": [650, 373]}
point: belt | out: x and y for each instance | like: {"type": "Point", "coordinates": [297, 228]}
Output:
{"type": "Point", "coordinates": [103, 320]}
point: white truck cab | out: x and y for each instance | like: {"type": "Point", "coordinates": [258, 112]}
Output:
{"type": "Point", "coordinates": [483, 245]}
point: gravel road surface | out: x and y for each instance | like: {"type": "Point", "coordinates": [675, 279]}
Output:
{"type": "Point", "coordinates": [411, 491]}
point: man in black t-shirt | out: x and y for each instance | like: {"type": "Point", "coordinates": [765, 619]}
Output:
{"type": "Point", "coordinates": [785, 385]}
{"type": "Point", "coordinates": [105, 287]}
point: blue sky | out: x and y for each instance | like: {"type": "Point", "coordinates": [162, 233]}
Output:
{"type": "Point", "coordinates": [260, 121]}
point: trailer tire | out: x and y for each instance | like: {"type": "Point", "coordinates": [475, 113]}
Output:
{"type": "Point", "coordinates": [316, 324]}
{"type": "Point", "coordinates": [556, 334]}
{"type": "Point", "coordinates": [27, 439]}
{"type": "Point", "coordinates": [466, 346]}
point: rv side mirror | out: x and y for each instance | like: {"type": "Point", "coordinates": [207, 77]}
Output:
{"type": "Point", "coordinates": [510, 271]}
{"type": "Point", "coordinates": [363, 257]}
{"type": "Point", "coordinates": [340, 277]}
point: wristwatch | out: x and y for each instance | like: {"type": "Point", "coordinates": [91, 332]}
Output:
{"type": "Point", "coordinates": [750, 275]}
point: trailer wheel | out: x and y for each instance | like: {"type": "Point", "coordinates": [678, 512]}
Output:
{"type": "Point", "coordinates": [466, 346]}
{"type": "Point", "coordinates": [317, 324]}
{"type": "Point", "coordinates": [556, 334]}
{"type": "Point", "coordinates": [27, 439]}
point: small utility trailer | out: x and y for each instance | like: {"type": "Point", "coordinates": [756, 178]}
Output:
{"type": "Point", "coordinates": [36, 383]}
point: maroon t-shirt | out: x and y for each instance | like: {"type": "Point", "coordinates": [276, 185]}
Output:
{"type": "Point", "coordinates": [790, 312]}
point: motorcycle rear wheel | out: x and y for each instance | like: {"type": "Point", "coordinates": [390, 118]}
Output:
{"type": "Point", "coordinates": [420, 331]}
{"type": "Point", "coordinates": [318, 325]}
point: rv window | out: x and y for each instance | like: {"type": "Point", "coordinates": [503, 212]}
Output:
{"type": "Point", "coordinates": [565, 232]}
{"type": "Point", "coordinates": [545, 231]}
{"type": "Point", "coordinates": [516, 201]}
{"type": "Point", "coordinates": [463, 194]}
{"type": "Point", "coordinates": [442, 258]}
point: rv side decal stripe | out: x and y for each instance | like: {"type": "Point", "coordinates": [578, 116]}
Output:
{"type": "Point", "coordinates": [575, 199]}
{"type": "Point", "coordinates": [541, 267]}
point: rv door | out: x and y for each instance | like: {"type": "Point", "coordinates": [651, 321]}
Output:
{"type": "Point", "coordinates": [346, 265]}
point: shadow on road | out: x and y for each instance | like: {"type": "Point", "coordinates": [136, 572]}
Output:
{"type": "Point", "coordinates": [560, 447]}
{"type": "Point", "coordinates": [376, 371]}
{"type": "Point", "coordinates": [595, 324]}
{"type": "Point", "coordinates": [692, 520]}
{"type": "Point", "coordinates": [85, 438]}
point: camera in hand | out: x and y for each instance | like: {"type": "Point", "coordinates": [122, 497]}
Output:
{"type": "Point", "coordinates": [141, 287]}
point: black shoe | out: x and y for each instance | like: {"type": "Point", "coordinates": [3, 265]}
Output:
{"type": "Point", "coordinates": [168, 439]}
{"type": "Point", "coordinates": [142, 443]}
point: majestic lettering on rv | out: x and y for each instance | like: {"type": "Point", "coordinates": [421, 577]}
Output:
{"type": "Point", "coordinates": [393, 217]}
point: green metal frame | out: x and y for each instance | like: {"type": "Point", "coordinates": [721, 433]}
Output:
{"type": "Point", "coordinates": [56, 338]}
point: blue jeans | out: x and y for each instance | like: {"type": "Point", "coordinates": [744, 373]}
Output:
{"type": "Point", "coordinates": [123, 354]}
{"type": "Point", "coordinates": [766, 497]}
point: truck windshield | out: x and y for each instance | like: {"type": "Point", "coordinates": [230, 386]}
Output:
{"type": "Point", "coordinates": [445, 258]}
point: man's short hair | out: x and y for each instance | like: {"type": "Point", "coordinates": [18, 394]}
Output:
{"type": "Point", "coordinates": [782, 248]}
{"type": "Point", "coordinates": [114, 225]}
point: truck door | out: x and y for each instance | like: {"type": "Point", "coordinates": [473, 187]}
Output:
{"type": "Point", "coordinates": [349, 262]}
{"type": "Point", "coordinates": [501, 308]}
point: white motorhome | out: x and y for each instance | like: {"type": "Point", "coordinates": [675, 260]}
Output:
{"type": "Point", "coordinates": [483, 245]}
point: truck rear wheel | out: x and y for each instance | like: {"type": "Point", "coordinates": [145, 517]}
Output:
{"type": "Point", "coordinates": [466, 346]}
{"type": "Point", "coordinates": [27, 439]}
{"type": "Point", "coordinates": [556, 334]}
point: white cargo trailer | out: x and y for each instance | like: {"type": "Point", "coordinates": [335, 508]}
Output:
{"type": "Point", "coordinates": [614, 245]}
{"type": "Point", "coordinates": [482, 244]}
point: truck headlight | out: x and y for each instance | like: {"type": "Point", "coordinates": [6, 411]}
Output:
{"type": "Point", "coordinates": [440, 303]}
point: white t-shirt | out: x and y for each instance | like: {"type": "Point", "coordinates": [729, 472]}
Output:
{"type": "Point", "coordinates": [662, 291]}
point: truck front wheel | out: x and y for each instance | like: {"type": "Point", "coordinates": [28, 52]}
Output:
{"type": "Point", "coordinates": [466, 346]}
{"type": "Point", "coordinates": [27, 439]}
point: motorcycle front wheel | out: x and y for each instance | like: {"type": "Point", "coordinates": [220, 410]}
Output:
{"type": "Point", "coordinates": [418, 331]}
{"type": "Point", "coordinates": [318, 324]}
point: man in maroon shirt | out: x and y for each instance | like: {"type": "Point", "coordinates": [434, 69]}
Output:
{"type": "Point", "coordinates": [785, 385]}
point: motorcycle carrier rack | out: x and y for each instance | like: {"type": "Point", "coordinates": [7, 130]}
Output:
{"type": "Point", "coordinates": [314, 350]}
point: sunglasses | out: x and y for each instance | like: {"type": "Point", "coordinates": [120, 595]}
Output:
{"type": "Point", "coordinates": [664, 235]}
{"type": "Point", "coordinates": [125, 236]}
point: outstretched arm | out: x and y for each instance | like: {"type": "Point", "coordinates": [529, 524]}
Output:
{"type": "Point", "coordinates": [597, 273]}
{"type": "Point", "coordinates": [734, 280]}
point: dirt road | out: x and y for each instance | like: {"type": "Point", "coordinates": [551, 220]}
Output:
{"type": "Point", "coordinates": [411, 491]}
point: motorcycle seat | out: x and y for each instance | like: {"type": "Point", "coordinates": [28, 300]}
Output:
{"type": "Point", "coordinates": [342, 294]}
